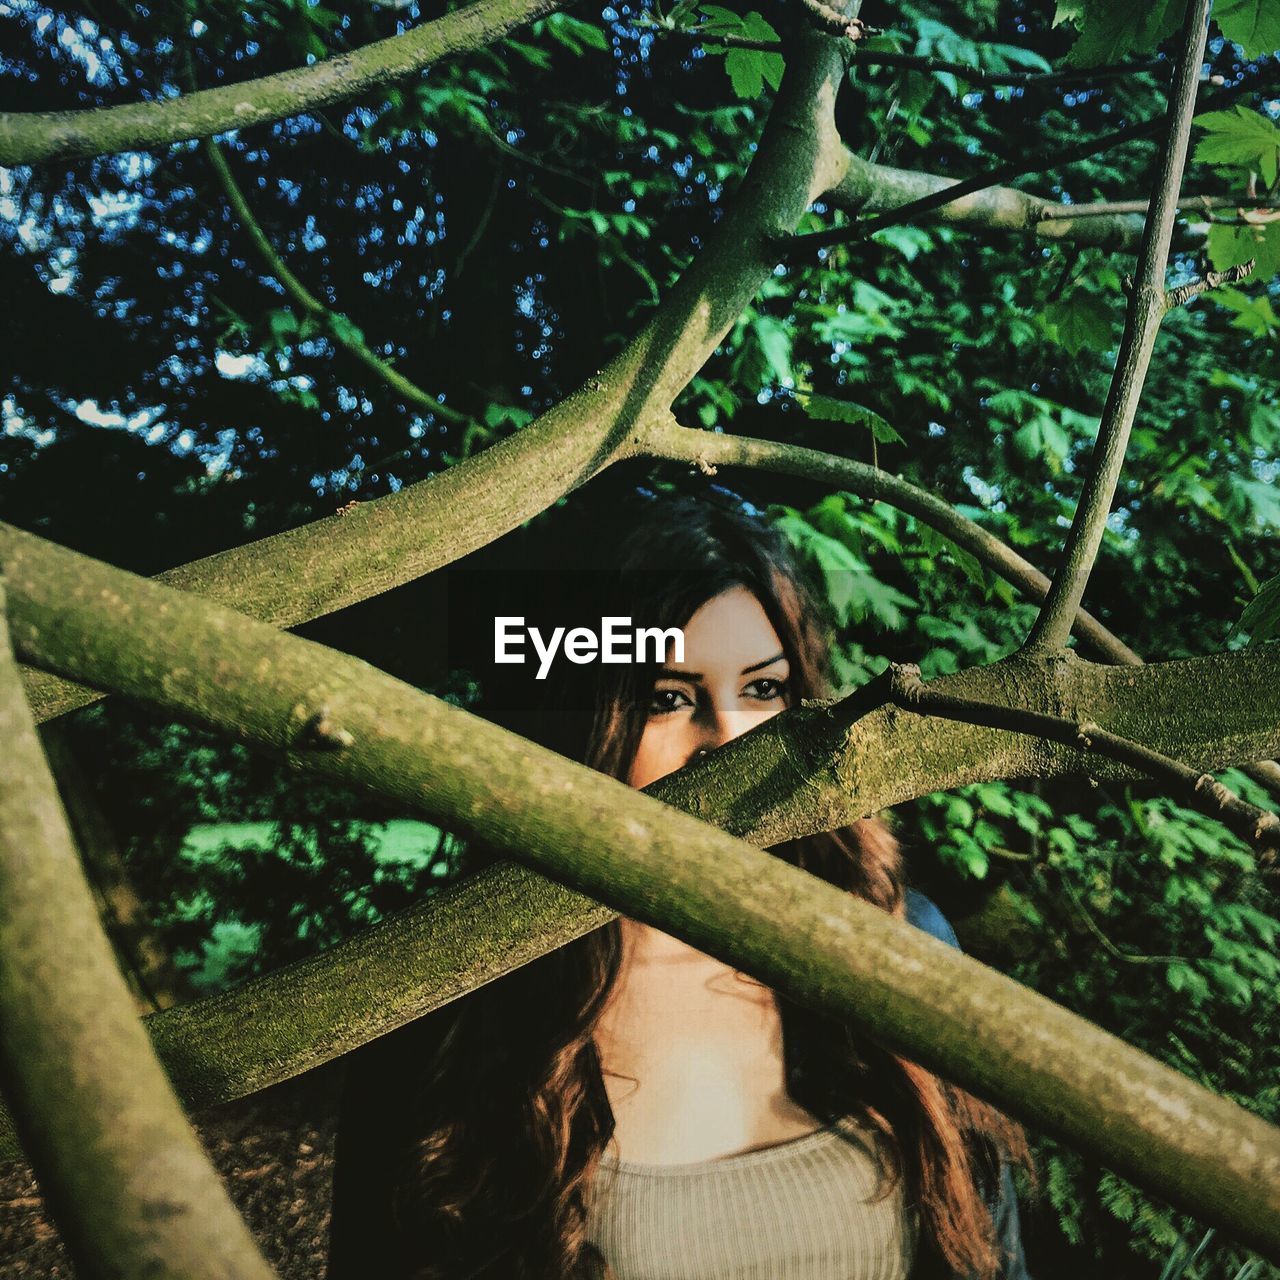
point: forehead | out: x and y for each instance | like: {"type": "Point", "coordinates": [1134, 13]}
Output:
{"type": "Point", "coordinates": [729, 632]}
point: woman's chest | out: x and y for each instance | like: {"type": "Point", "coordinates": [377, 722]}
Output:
{"type": "Point", "coordinates": [805, 1210]}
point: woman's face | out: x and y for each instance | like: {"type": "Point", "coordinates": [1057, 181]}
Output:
{"type": "Point", "coordinates": [734, 675]}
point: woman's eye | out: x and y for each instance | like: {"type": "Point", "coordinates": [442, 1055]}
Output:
{"type": "Point", "coordinates": [767, 688]}
{"type": "Point", "coordinates": [665, 701]}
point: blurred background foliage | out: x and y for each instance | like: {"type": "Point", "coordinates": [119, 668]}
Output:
{"type": "Point", "coordinates": [495, 229]}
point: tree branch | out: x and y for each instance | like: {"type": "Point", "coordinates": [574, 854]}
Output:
{"type": "Point", "coordinates": [859, 54]}
{"type": "Point", "coordinates": [666, 438]}
{"type": "Point", "coordinates": [336, 326]}
{"type": "Point", "coordinates": [1195, 204]}
{"type": "Point", "coordinates": [42, 137]}
{"type": "Point", "coordinates": [820, 946]}
{"type": "Point", "coordinates": [869, 189]}
{"type": "Point", "coordinates": [126, 1178]}
{"type": "Point", "coordinates": [1143, 316]}
{"type": "Point", "coordinates": [904, 688]}
{"type": "Point", "coordinates": [799, 246]}
{"type": "Point", "coordinates": [250, 579]}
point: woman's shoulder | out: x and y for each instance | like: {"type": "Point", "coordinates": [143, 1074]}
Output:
{"type": "Point", "coordinates": [924, 914]}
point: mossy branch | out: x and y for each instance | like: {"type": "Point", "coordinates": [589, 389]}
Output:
{"type": "Point", "coordinates": [325, 566]}
{"type": "Point", "coordinates": [32, 138]}
{"type": "Point", "coordinates": [824, 948]}
{"type": "Point", "coordinates": [1255, 826]}
{"type": "Point", "coordinates": [868, 189]}
{"type": "Point", "coordinates": [930, 201]}
{"type": "Point", "coordinates": [125, 1176]}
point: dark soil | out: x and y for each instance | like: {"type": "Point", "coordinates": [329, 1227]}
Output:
{"type": "Point", "coordinates": [275, 1153]}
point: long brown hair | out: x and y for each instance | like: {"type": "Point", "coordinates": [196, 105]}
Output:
{"type": "Point", "coordinates": [508, 1116]}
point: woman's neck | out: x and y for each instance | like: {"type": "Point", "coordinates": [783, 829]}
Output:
{"type": "Point", "coordinates": [691, 1052]}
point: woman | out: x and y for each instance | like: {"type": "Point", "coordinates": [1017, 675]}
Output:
{"type": "Point", "coordinates": [628, 1106]}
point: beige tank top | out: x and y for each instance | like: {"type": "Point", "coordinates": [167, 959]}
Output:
{"type": "Point", "coordinates": [799, 1210]}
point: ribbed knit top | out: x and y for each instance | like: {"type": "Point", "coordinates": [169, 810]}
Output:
{"type": "Point", "coordinates": [799, 1210]}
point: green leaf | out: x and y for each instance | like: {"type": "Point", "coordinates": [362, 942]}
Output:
{"type": "Point", "coordinates": [1255, 315]}
{"type": "Point", "coordinates": [775, 342]}
{"type": "Point", "coordinates": [1229, 246]}
{"type": "Point", "coordinates": [1253, 24]}
{"type": "Point", "coordinates": [1240, 137]}
{"type": "Point", "coordinates": [746, 73]}
{"type": "Point", "coordinates": [1261, 617]}
{"type": "Point", "coordinates": [1183, 978]}
{"type": "Point", "coordinates": [1109, 31]}
{"type": "Point", "coordinates": [1081, 321]}
{"type": "Point", "coordinates": [283, 325]}
{"type": "Point", "coordinates": [345, 331]}
{"type": "Point", "coordinates": [1012, 55]}
{"type": "Point", "coordinates": [749, 70]}
{"type": "Point", "coordinates": [829, 409]}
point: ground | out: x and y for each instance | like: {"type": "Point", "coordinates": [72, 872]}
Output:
{"type": "Point", "coordinates": [275, 1153]}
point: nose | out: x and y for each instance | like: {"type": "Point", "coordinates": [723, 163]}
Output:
{"type": "Point", "coordinates": [719, 728]}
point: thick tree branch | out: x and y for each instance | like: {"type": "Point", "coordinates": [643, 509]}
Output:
{"type": "Point", "coordinates": [665, 438]}
{"type": "Point", "coordinates": [126, 1178]}
{"type": "Point", "coordinates": [827, 763]}
{"type": "Point", "coordinates": [302, 1015]}
{"type": "Point", "coordinates": [801, 247]}
{"type": "Point", "coordinates": [248, 577]}
{"type": "Point", "coordinates": [1143, 316]}
{"type": "Point", "coordinates": [870, 189]}
{"type": "Point", "coordinates": [39, 138]}
{"type": "Point", "coordinates": [328, 570]}
{"type": "Point", "coordinates": [823, 948]}
{"type": "Point", "coordinates": [336, 326]}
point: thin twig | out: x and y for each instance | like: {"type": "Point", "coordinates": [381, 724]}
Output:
{"type": "Point", "coordinates": [901, 685]}
{"type": "Point", "coordinates": [1210, 280]}
{"type": "Point", "coordinates": [1105, 208]}
{"type": "Point", "coordinates": [994, 79]}
{"type": "Point", "coordinates": [1107, 945]}
{"type": "Point", "coordinates": [336, 327]}
{"type": "Point", "coordinates": [1143, 315]}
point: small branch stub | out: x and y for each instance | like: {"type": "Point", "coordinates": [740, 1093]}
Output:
{"type": "Point", "coordinates": [834, 23]}
{"type": "Point", "coordinates": [905, 685]}
{"type": "Point", "coordinates": [320, 733]}
{"type": "Point", "coordinates": [1211, 280]}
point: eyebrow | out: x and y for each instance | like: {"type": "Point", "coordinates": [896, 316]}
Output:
{"type": "Point", "coordinates": [673, 674]}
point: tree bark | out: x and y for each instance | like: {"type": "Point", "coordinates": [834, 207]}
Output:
{"type": "Point", "coordinates": [124, 1174]}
